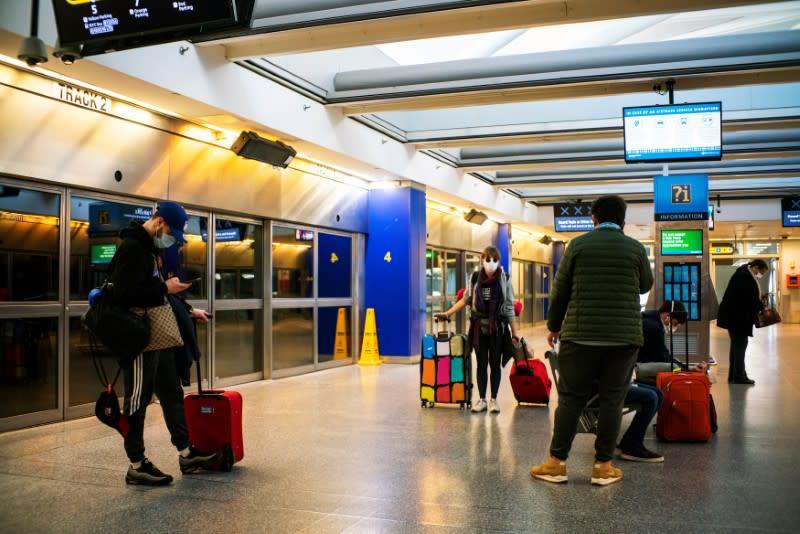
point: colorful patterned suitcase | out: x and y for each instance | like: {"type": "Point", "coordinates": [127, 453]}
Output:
{"type": "Point", "coordinates": [445, 370]}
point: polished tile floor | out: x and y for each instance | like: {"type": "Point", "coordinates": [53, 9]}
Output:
{"type": "Point", "coordinates": [350, 450]}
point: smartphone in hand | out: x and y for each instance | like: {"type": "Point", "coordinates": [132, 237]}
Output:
{"type": "Point", "coordinates": [193, 280]}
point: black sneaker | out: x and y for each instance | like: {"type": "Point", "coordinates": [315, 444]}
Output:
{"type": "Point", "coordinates": [640, 454]}
{"type": "Point", "coordinates": [196, 460]}
{"type": "Point", "coordinates": [147, 475]}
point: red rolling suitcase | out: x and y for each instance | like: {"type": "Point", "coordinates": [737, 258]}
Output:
{"type": "Point", "coordinates": [685, 414]}
{"type": "Point", "coordinates": [530, 382]}
{"type": "Point", "coordinates": [214, 420]}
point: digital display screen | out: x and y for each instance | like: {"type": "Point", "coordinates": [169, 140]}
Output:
{"type": "Point", "coordinates": [227, 234]}
{"type": "Point", "coordinates": [673, 133]}
{"type": "Point", "coordinates": [790, 206]}
{"type": "Point", "coordinates": [82, 21]}
{"type": "Point", "coordinates": [576, 217]}
{"type": "Point", "coordinates": [102, 253]}
{"type": "Point", "coordinates": [681, 242]}
{"type": "Point", "coordinates": [303, 235]}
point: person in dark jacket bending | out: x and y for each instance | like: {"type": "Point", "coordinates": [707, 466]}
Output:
{"type": "Point", "coordinates": [138, 283]}
{"type": "Point", "coordinates": [738, 312]}
{"type": "Point", "coordinates": [595, 313]}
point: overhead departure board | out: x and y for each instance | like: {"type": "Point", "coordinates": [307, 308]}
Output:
{"type": "Point", "coordinates": [85, 21]}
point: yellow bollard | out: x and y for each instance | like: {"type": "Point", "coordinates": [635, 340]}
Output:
{"type": "Point", "coordinates": [341, 346]}
{"type": "Point", "coordinates": [369, 346]}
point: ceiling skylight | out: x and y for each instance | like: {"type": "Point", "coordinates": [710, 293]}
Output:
{"type": "Point", "coordinates": [728, 21]}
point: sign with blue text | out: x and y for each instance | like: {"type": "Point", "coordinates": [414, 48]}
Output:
{"type": "Point", "coordinates": [680, 198]}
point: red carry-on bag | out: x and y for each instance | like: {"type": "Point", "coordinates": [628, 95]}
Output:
{"type": "Point", "coordinates": [529, 380]}
{"type": "Point", "coordinates": [685, 414]}
{"type": "Point", "coordinates": [214, 420]}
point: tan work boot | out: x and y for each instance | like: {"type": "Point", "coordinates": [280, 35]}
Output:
{"type": "Point", "coordinates": [553, 470]}
{"type": "Point", "coordinates": [605, 474]}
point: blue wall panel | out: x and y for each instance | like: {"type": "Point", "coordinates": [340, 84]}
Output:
{"type": "Point", "coordinates": [395, 268]}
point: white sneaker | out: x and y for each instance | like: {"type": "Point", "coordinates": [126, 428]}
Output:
{"type": "Point", "coordinates": [479, 406]}
{"type": "Point", "coordinates": [493, 408]}
{"type": "Point", "coordinates": [712, 360]}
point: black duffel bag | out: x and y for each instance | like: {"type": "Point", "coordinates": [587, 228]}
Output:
{"type": "Point", "coordinates": [124, 333]}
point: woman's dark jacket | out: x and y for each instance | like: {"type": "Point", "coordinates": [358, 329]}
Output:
{"type": "Point", "coordinates": [741, 303]}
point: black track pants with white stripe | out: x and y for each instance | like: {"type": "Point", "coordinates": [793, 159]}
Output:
{"type": "Point", "coordinates": [149, 373]}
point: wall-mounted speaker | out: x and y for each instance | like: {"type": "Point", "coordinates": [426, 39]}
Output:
{"type": "Point", "coordinates": [249, 145]}
{"type": "Point", "coordinates": [475, 217]}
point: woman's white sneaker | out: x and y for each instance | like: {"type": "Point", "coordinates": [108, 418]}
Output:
{"type": "Point", "coordinates": [493, 407]}
{"type": "Point", "coordinates": [479, 406]}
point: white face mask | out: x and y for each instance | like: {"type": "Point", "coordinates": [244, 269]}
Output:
{"type": "Point", "coordinates": [163, 241]}
{"type": "Point", "coordinates": [759, 275]}
{"type": "Point", "coordinates": [490, 265]}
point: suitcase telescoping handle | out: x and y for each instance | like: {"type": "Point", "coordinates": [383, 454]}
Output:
{"type": "Point", "coordinates": [685, 335]}
{"type": "Point", "coordinates": [199, 378]}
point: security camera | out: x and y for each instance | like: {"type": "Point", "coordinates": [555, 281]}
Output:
{"type": "Point", "coordinates": [32, 51]}
{"type": "Point", "coordinates": [68, 54]}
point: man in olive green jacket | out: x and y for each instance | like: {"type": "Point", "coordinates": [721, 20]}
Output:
{"type": "Point", "coordinates": [595, 313]}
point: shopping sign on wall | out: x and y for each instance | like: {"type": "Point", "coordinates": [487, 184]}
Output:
{"type": "Point", "coordinates": [681, 198]}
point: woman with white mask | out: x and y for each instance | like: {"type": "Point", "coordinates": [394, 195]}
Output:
{"type": "Point", "coordinates": [490, 296]}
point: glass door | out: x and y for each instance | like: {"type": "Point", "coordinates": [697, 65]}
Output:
{"type": "Point", "coordinates": [312, 304]}
{"type": "Point", "coordinates": [237, 300]}
{"type": "Point", "coordinates": [31, 304]}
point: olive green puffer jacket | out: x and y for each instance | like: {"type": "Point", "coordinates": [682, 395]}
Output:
{"type": "Point", "coordinates": [595, 296]}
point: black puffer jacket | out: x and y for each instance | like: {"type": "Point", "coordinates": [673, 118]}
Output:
{"type": "Point", "coordinates": [135, 278]}
{"type": "Point", "coordinates": [740, 304]}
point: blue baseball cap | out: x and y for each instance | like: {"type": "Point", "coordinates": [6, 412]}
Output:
{"type": "Point", "coordinates": [175, 216]}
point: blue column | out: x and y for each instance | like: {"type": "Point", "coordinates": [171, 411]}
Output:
{"type": "Point", "coordinates": [559, 247]}
{"type": "Point", "coordinates": [504, 246]}
{"type": "Point", "coordinates": [395, 269]}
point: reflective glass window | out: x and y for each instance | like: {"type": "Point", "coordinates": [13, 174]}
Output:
{"type": "Point", "coordinates": [473, 262]}
{"type": "Point", "coordinates": [29, 248]}
{"type": "Point", "coordinates": [237, 251]}
{"type": "Point", "coordinates": [94, 237]}
{"type": "Point", "coordinates": [84, 385]}
{"type": "Point", "coordinates": [333, 333]}
{"type": "Point", "coordinates": [237, 342]}
{"type": "Point", "coordinates": [451, 264]}
{"type": "Point", "coordinates": [293, 262]}
{"type": "Point", "coordinates": [433, 273]}
{"type": "Point", "coordinates": [292, 337]}
{"type": "Point", "coordinates": [28, 365]}
{"type": "Point", "coordinates": [334, 265]}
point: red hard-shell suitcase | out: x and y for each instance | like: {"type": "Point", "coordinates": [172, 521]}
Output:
{"type": "Point", "coordinates": [530, 382]}
{"type": "Point", "coordinates": [214, 420]}
{"type": "Point", "coordinates": [685, 414]}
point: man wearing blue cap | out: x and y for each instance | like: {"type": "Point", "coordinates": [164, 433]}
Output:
{"type": "Point", "coordinates": [138, 283]}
